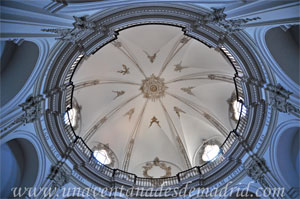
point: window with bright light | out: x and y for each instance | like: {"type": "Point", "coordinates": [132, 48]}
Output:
{"type": "Point", "coordinates": [102, 156]}
{"type": "Point", "coordinates": [72, 116]}
{"type": "Point", "coordinates": [237, 108]}
{"type": "Point", "coordinates": [210, 152]}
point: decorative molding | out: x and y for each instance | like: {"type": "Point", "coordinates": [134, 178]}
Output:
{"type": "Point", "coordinates": [174, 131]}
{"type": "Point", "coordinates": [175, 49]}
{"type": "Point", "coordinates": [135, 131]}
{"type": "Point", "coordinates": [216, 124]}
{"type": "Point", "coordinates": [86, 84]}
{"type": "Point", "coordinates": [220, 77]}
{"type": "Point", "coordinates": [218, 17]}
{"type": "Point", "coordinates": [82, 23]}
{"type": "Point", "coordinates": [285, 27]}
{"type": "Point", "coordinates": [32, 110]}
{"type": "Point", "coordinates": [55, 6]}
{"type": "Point", "coordinates": [279, 99]}
{"type": "Point", "coordinates": [203, 76]}
{"type": "Point", "coordinates": [80, 27]}
{"type": "Point", "coordinates": [12, 125]}
{"type": "Point", "coordinates": [58, 176]}
{"type": "Point", "coordinates": [257, 171]}
{"type": "Point", "coordinates": [18, 42]}
{"type": "Point", "coordinates": [92, 130]}
{"type": "Point", "coordinates": [125, 70]}
{"type": "Point", "coordinates": [210, 118]}
{"type": "Point", "coordinates": [89, 83]}
{"type": "Point", "coordinates": [154, 120]}
{"type": "Point", "coordinates": [126, 51]}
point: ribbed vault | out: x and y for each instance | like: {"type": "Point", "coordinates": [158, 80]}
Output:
{"type": "Point", "coordinates": [154, 93]}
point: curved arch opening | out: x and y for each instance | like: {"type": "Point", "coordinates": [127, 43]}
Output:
{"type": "Point", "coordinates": [18, 60]}
{"type": "Point", "coordinates": [287, 155]}
{"type": "Point", "coordinates": [19, 166]}
{"type": "Point", "coordinates": [283, 44]}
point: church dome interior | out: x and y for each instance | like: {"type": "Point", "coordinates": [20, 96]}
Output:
{"type": "Point", "coordinates": [153, 92]}
{"type": "Point", "coordinates": [178, 99]}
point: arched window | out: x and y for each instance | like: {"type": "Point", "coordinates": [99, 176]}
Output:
{"type": "Point", "coordinates": [73, 115]}
{"type": "Point", "coordinates": [102, 156]}
{"type": "Point", "coordinates": [210, 152]}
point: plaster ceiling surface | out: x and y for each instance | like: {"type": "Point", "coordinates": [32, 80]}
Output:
{"type": "Point", "coordinates": [151, 94]}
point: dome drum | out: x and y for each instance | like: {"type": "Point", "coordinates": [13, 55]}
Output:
{"type": "Point", "coordinates": [61, 71]}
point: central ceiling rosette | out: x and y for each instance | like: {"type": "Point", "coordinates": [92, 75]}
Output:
{"type": "Point", "coordinates": [153, 87]}
{"type": "Point", "coordinates": [155, 94]}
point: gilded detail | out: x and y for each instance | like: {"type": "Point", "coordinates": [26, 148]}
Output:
{"type": "Point", "coordinates": [125, 70]}
{"type": "Point", "coordinates": [154, 120]}
{"type": "Point", "coordinates": [153, 87]}
{"type": "Point", "coordinates": [151, 57]}
{"type": "Point", "coordinates": [119, 93]}
{"type": "Point", "coordinates": [188, 90]}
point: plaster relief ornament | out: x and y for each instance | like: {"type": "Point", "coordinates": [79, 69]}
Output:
{"type": "Point", "coordinates": [178, 111]}
{"type": "Point", "coordinates": [188, 90]}
{"type": "Point", "coordinates": [179, 67]}
{"type": "Point", "coordinates": [119, 93]}
{"type": "Point", "coordinates": [279, 97]}
{"type": "Point", "coordinates": [154, 120]}
{"type": "Point", "coordinates": [32, 108]}
{"type": "Point", "coordinates": [58, 176]}
{"type": "Point", "coordinates": [125, 70]}
{"type": "Point", "coordinates": [156, 162]}
{"type": "Point", "coordinates": [151, 58]}
{"type": "Point", "coordinates": [218, 17]}
{"type": "Point", "coordinates": [129, 113]}
{"type": "Point", "coordinates": [82, 23]}
{"type": "Point", "coordinates": [153, 87]}
{"type": "Point", "coordinates": [257, 170]}
{"type": "Point", "coordinates": [80, 26]}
